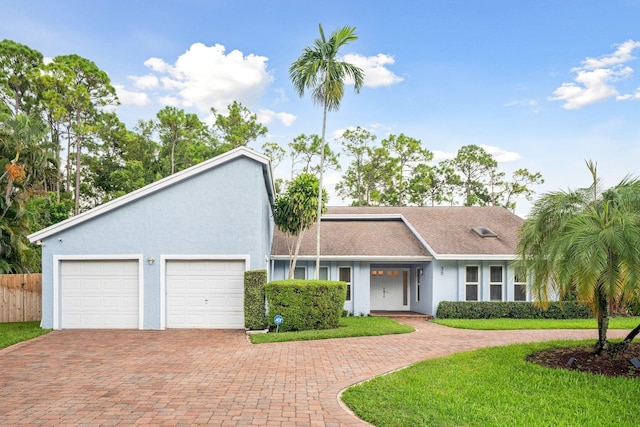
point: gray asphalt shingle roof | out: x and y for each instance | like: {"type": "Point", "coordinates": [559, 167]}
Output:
{"type": "Point", "coordinates": [380, 231]}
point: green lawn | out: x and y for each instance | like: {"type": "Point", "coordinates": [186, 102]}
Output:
{"type": "Point", "coordinates": [494, 387]}
{"type": "Point", "coordinates": [349, 327]}
{"type": "Point", "coordinates": [496, 324]}
{"type": "Point", "coordinates": [13, 333]}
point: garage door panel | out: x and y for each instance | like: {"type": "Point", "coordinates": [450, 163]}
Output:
{"type": "Point", "coordinates": [205, 293]}
{"type": "Point", "coordinates": [99, 294]}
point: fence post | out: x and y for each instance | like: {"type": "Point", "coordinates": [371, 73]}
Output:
{"type": "Point", "coordinates": [24, 300]}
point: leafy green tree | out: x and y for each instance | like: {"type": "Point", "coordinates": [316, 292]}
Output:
{"type": "Point", "coordinates": [237, 129]}
{"type": "Point", "coordinates": [475, 166]}
{"type": "Point", "coordinates": [296, 211]}
{"type": "Point", "coordinates": [585, 242]}
{"type": "Point", "coordinates": [82, 91]}
{"type": "Point", "coordinates": [519, 186]}
{"type": "Point", "coordinates": [405, 153]}
{"type": "Point", "coordinates": [319, 70]}
{"type": "Point", "coordinates": [274, 152]}
{"type": "Point", "coordinates": [433, 185]}
{"type": "Point", "coordinates": [305, 149]}
{"type": "Point", "coordinates": [19, 67]}
{"type": "Point", "coordinates": [356, 183]}
{"type": "Point", "coordinates": [184, 139]}
{"type": "Point", "coordinates": [23, 164]}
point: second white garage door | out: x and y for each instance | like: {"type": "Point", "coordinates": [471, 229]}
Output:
{"type": "Point", "coordinates": [205, 294]}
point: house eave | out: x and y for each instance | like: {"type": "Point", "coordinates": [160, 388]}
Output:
{"type": "Point", "coordinates": [476, 257]}
{"type": "Point", "coordinates": [372, 258]}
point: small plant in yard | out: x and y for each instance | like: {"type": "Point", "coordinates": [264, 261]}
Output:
{"type": "Point", "coordinates": [13, 333]}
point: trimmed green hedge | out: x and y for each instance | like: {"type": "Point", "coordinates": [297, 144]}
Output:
{"type": "Point", "coordinates": [513, 310]}
{"type": "Point", "coordinates": [254, 299]}
{"type": "Point", "coordinates": [306, 304]}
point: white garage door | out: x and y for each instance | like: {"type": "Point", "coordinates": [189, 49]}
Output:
{"type": "Point", "coordinates": [205, 294]}
{"type": "Point", "coordinates": [99, 294]}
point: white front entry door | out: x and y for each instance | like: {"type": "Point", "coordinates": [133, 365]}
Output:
{"type": "Point", "coordinates": [390, 289]}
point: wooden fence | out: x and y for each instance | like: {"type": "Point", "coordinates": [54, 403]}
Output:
{"type": "Point", "coordinates": [20, 297]}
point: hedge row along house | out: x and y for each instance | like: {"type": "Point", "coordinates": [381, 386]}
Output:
{"type": "Point", "coordinates": [173, 254]}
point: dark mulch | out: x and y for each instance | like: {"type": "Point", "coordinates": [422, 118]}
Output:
{"type": "Point", "coordinates": [586, 361]}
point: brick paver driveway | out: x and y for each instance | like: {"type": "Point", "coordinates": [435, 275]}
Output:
{"type": "Point", "coordinates": [185, 377]}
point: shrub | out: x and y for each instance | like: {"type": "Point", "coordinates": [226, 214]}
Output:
{"type": "Point", "coordinates": [306, 304]}
{"type": "Point", "coordinates": [512, 310]}
{"type": "Point", "coordinates": [254, 299]}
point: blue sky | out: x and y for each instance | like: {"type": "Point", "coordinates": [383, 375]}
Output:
{"type": "Point", "coordinates": [543, 85]}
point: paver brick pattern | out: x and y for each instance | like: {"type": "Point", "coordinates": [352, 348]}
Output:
{"type": "Point", "coordinates": [190, 377]}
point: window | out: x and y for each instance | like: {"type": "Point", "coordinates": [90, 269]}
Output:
{"type": "Point", "coordinates": [323, 273]}
{"type": "Point", "coordinates": [300, 273]}
{"type": "Point", "coordinates": [495, 283]}
{"type": "Point", "coordinates": [344, 275]}
{"type": "Point", "coordinates": [520, 285]}
{"type": "Point", "coordinates": [471, 283]}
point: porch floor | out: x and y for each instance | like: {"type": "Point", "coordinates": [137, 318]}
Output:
{"type": "Point", "coordinates": [401, 314]}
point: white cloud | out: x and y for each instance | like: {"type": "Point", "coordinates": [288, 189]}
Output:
{"type": "Point", "coordinates": [630, 96]}
{"type": "Point", "coordinates": [207, 76]}
{"type": "Point", "coordinates": [595, 79]}
{"type": "Point", "coordinates": [620, 56]}
{"type": "Point", "coordinates": [439, 156]}
{"type": "Point", "coordinates": [147, 82]}
{"type": "Point", "coordinates": [267, 116]}
{"type": "Point", "coordinates": [128, 97]}
{"type": "Point", "coordinates": [375, 72]}
{"type": "Point", "coordinates": [170, 101]}
{"type": "Point", "coordinates": [532, 104]}
{"type": "Point", "coordinates": [500, 155]}
{"type": "Point", "coordinates": [157, 65]}
{"type": "Point", "coordinates": [282, 96]}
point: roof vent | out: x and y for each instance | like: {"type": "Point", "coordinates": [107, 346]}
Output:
{"type": "Point", "coordinates": [484, 232]}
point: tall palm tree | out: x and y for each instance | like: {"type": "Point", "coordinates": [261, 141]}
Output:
{"type": "Point", "coordinates": [585, 242]}
{"type": "Point", "coordinates": [320, 70]}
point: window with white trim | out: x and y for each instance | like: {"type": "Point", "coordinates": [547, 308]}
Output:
{"type": "Point", "coordinates": [520, 285]}
{"type": "Point", "coordinates": [300, 273]}
{"type": "Point", "coordinates": [344, 275]}
{"type": "Point", "coordinates": [472, 282]}
{"type": "Point", "coordinates": [496, 283]}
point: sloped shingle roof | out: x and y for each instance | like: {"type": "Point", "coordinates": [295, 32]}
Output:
{"type": "Point", "coordinates": [445, 230]}
{"type": "Point", "coordinates": [371, 237]}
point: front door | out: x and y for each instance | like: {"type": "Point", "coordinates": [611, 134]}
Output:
{"type": "Point", "coordinates": [390, 289]}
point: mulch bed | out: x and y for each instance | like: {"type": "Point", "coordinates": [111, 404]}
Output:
{"type": "Point", "coordinates": [586, 361]}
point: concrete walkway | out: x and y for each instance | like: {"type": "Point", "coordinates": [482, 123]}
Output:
{"type": "Point", "coordinates": [186, 377]}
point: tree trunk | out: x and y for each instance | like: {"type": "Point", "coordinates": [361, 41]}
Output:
{"type": "Point", "coordinates": [76, 210]}
{"type": "Point", "coordinates": [621, 346]}
{"type": "Point", "coordinates": [603, 321]}
{"type": "Point", "coordinates": [294, 259]}
{"type": "Point", "coordinates": [316, 274]}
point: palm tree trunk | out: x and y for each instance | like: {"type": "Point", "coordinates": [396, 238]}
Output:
{"type": "Point", "coordinates": [316, 274]}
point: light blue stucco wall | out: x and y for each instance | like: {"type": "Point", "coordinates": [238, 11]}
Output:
{"type": "Point", "coordinates": [442, 280]}
{"type": "Point", "coordinates": [222, 211]}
